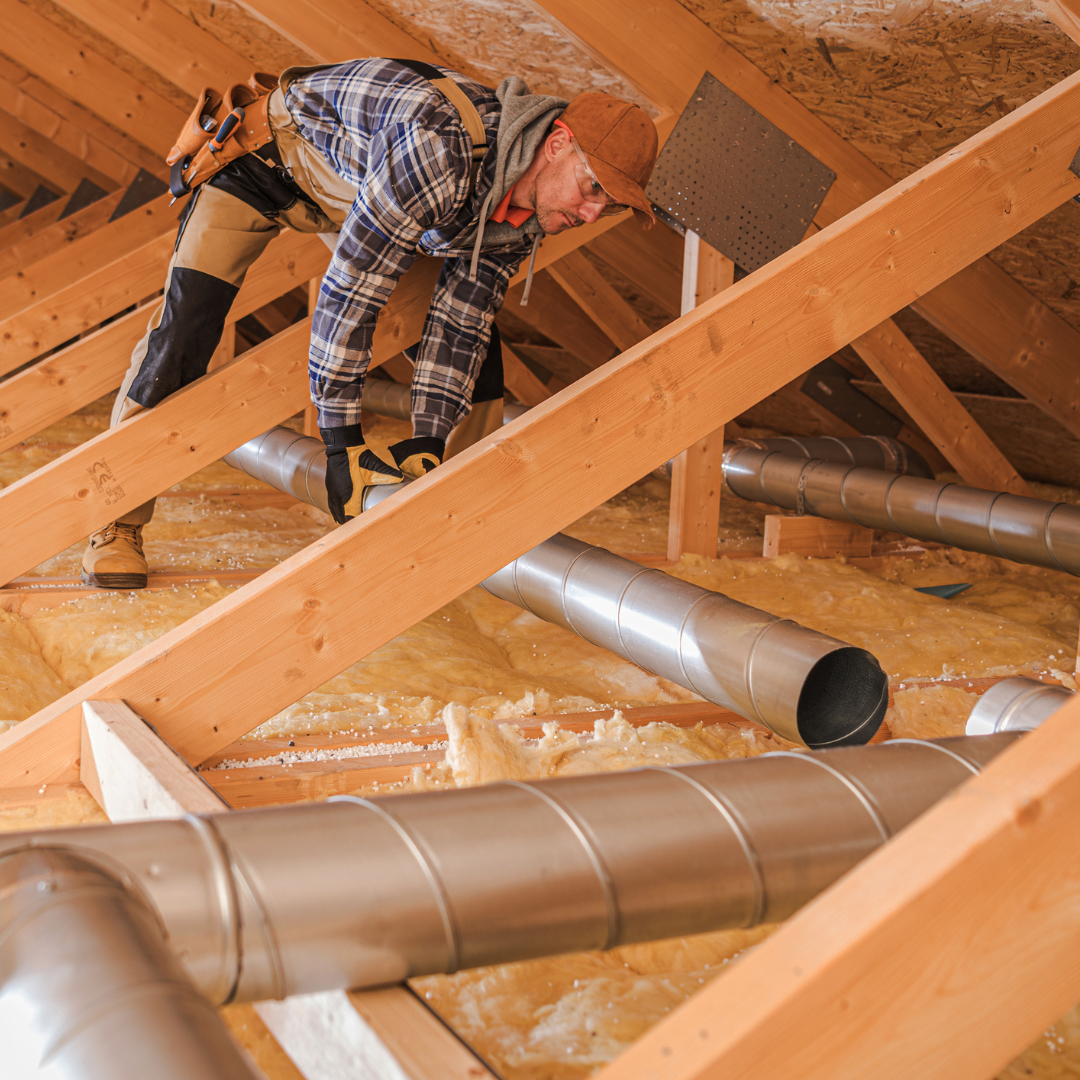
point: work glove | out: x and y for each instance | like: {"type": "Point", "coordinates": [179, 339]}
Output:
{"type": "Point", "coordinates": [352, 466]}
{"type": "Point", "coordinates": [415, 457]}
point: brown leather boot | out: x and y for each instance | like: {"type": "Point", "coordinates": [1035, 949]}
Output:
{"type": "Point", "coordinates": [114, 558]}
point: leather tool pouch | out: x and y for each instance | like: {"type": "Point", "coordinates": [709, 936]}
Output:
{"type": "Point", "coordinates": [194, 158]}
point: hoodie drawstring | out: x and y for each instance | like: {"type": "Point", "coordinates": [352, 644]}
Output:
{"type": "Point", "coordinates": [529, 273]}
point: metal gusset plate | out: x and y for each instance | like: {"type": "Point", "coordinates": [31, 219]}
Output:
{"type": "Point", "coordinates": [736, 179]}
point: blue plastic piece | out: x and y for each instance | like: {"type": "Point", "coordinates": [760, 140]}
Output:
{"type": "Point", "coordinates": [946, 592]}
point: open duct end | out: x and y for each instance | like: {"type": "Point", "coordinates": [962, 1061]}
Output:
{"type": "Point", "coordinates": [843, 700]}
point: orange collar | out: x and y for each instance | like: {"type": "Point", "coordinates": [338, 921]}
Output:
{"type": "Point", "coordinates": [515, 215]}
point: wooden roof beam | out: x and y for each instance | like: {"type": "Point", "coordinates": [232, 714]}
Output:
{"type": "Point", "coordinates": [1064, 13]}
{"type": "Point", "coordinates": [89, 79]}
{"type": "Point", "coordinates": [61, 171]}
{"type": "Point", "coordinates": [233, 665]}
{"type": "Point", "coordinates": [338, 30]}
{"type": "Point", "coordinates": [74, 127]}
{"type": "Point", "coordinates": [982, 308]}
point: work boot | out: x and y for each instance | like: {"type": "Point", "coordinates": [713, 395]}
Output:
{"type": "Point", "coordinates": [415, 457]}
{"type": "Point", "coordinates": [114, 558]}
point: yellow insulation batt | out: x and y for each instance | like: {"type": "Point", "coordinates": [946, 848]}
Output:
{"type": "Point", "coordinates": [479, 661]}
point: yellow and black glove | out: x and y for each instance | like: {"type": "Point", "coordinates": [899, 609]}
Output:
{"type": "Point", "coordinates": [352, 466]}
{"type": "Point", "coordinates": [415, 457]}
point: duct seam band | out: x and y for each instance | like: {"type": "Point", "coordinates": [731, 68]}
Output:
{"type": "Point", "coordinates": [936, 746]}
{"type": "Point", "coordinates": [619, 613]}
{"type": "Point", "coordinates": [738, 827]}
{"type": "Point", "coordinates": [688, 680]}
{"type": "Point", "coordinates": [228, 903]}
{"type": "Point", "coordinates": [851, 785]}
{"type": "Point", "coordinates": [592, 850]}
{"type": "Point", "coordinates": [420, 851]}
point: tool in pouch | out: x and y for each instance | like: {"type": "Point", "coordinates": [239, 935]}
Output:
{"type": "Point", "coordinates": [224, 127]}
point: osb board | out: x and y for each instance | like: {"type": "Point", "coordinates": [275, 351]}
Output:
{"type": "Point", "coordinates": [243, 33]}
{"type": "Point", "coordinates": [490, 39]}
{"type": "Point", "coordinates": [906, 80]}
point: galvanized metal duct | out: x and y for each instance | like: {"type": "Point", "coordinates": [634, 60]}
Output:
{"type": "Point", "coordinates": [808, 687]}
{"type": "Point", "coordinates": [1014, 527]}
{"type": "Point", "coordinates": [354, 893]}
{"type": "Point", "coordinates": [866, 451]}
{"type": "Point", "coordinates": [1016, 705]}
{"type": "Point", "coordinates": [89, 989]}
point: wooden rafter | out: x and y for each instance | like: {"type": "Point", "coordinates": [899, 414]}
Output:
{"type": "Point", "coordinates": [982, 309]}
{"type": "Point", "coordinates": [233, 665]}
{"type": "Point", "coordinates": [59, 168]}
{"type": "Point", "coordinates": [83, 75]}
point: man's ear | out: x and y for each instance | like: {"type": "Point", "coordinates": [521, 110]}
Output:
{"type": "Point", "coordinates": [556, 143]}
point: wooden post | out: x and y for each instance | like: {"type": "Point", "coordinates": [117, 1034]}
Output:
{"type": "Point", "coordinates": [696, 475]}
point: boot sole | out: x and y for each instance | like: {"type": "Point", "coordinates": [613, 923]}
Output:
{"type": "Point", "coordinates": [114, 581]}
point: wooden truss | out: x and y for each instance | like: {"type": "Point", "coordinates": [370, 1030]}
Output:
{"type": "Point", "coordinates": [980, 877]}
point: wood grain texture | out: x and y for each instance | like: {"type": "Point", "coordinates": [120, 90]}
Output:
{"type": "Point", "coordinates": [815, 537]}
{"type": "Point", "coordinates": [906, 374]}
{"type": "Point", "coordinates": [35, 238]}
{"type": "Point", "coordinates": [99, 480]}
{"type": "Point", "coordinates": [238, 662]}
{"type": "Point", "coordinates": [601, 303]}
{"type": "Point", "coordinates": [1064, 13]}
{"type": "Point", "coordinates": [132, 774]}
{"type": "Point", "coordinates": [697, 473]}
{"type": "Point", "coordinates": [943, 955]}
{"type": "Point", "coordinates": [337, 31]}
{"type": "Point", "coordinates": [387, 1033]}
{"type": "Point", "coordinates": [520, 380]}
{"type": "Point", "coordinates": [74, 127]}
{"type": "Point", "coordinates": [55, 387]}
{"type": "Point", "coordinates": [61, 169]}
{"type": "Point", "coordinates": [165, 40]}
{"type": "Point", "coordinates": [89, 79]}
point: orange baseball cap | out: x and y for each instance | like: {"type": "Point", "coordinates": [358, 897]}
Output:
{"type": "Point", "coordinates": [620, 142]}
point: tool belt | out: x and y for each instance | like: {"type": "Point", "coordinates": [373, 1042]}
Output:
{"type": "Point", "coordinates": [224, 127]}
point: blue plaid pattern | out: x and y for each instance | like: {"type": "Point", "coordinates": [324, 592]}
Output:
{"type": "Point", "coordinates": [389, 131]}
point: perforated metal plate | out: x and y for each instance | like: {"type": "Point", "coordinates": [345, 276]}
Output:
{"type": "Point", "coordinates": [736, 179]}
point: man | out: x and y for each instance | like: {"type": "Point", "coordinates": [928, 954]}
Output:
{"type": "Point", "coordinates": [397, 159]}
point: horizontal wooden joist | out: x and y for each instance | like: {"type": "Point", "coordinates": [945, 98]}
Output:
{"type": "Point", "coordinates": [240, 661]}
{"type": "Point", "coordinates": [981, 308]}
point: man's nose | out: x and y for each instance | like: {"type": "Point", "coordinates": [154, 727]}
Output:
{"type": "Point", "coordinates": [590, 212]}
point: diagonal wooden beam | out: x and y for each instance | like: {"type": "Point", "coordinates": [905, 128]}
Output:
{"type": "Point", "coordinates": [75, 289]}
{"type": "Point", "coordinates": [254, 653]}
{"type": "Point", "coordinates": [337, 31]}
{"type": "Point", "coordinates": [35, 151]}
{"type": "Point", "coordinates": [74, 127]}
{"type": "Point", "coordinates": [905, 373]}
{"type": "Point", "coordinates": [117, 97]}
{"type": "Point", "coordinates": [40, 235]}
{"type": "Point", "coordinates": [943, 955]}
{"type": "Point", "coordinates": [165, 40]}
{"type": "Point", "coordinates": [55, 387]}
{"type": "Point", "coordinates": [604, 306]}
{"type": "Point", "coordinates": [20, 178]}
{"type": "Point", "coordinates": [982, 309]}
{"type": "Point", "coordinates": [1064, 13]}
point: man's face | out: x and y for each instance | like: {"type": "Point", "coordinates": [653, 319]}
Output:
{"type": "Point", "coordinates": [559, 202]}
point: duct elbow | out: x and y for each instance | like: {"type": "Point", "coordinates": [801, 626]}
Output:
{"type": "Point", "coordinates": [85, 971]}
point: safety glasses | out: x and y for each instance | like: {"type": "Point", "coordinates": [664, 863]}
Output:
{"type": "Point", "coordinates": [592, 191]}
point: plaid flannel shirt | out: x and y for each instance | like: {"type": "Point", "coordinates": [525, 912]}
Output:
{"type": "Point", "coordinates": [389, 131]}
